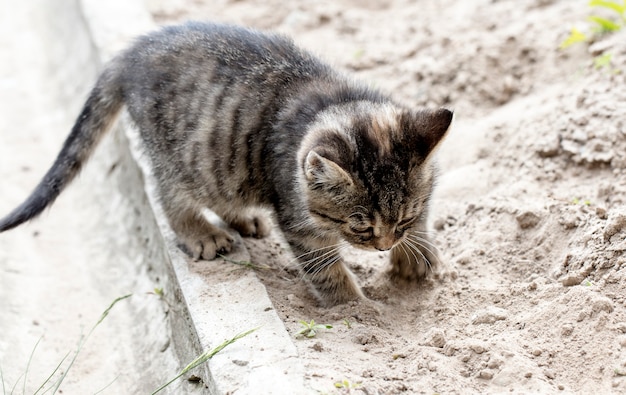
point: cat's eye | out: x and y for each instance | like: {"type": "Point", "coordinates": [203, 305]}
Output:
{"type": "Point", "coordinates": [363, 233]}
{"type": "Point", "coordinates": [362, 229]}
{"type": "Point", "coordinates": [406, 222]}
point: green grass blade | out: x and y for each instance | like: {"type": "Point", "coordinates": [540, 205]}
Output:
{"type": "Point", "coordinates": [204, 357]}
{"type": "Point", "coordinates": [55, 386]}
{"type": "Point", "coordinates": [575, 36]}
{"type": "Point", "coordinates": [603, 61]}
{"type": "Point", "coordinates": [15, 384]}
{"type": "Point", "coordinates": [4, 391]}
{"type": "Point", "coordinates": [51, 374]}
{"type": "Point", "coordinates": [30, 359]}
{"type": "Point", "coordinates": [611, 5]}
{"type": "Point", "coordinates": [247, 264]}
{"type": "Point", "coordinates": [108, 385]}
{"type": "Point", "coordinates": [604, 25]}
{"type": "Point", "coordinates": [82, 341]}
{"type": "Point", "coordinates": [106, 312]}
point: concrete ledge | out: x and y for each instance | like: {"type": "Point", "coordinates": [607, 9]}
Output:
{"type": "Point", "coordinates": [211, 301]}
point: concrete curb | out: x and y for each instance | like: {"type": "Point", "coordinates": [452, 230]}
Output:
{"type": "Point", "coordinates": [207, 311]}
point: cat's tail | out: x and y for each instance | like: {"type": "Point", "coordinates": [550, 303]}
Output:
{"type": "Point", "coordinates": [98, 113]}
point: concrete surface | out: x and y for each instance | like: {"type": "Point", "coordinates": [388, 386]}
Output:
{"type": "Point", "coordinates": [60, 272]}
{"type": "Point", "coordinates": [102, 238]}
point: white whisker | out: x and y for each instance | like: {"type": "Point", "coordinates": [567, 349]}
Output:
{"type": "Point", "coordinates": [417, 244]}
{"type": "Point", "coordinates": [412, 249]}
{"type": "Point", "coordinates": [416, 248]}
{"type": "Point", "coordinates": [318, 259]}
{"type": "Point", "coordinates": [421, 240]}
{"type": "Point", "coordinates": [401, 245]}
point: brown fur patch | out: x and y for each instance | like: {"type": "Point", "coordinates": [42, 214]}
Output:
{"type": "Point", "coordinates": [384, 126]}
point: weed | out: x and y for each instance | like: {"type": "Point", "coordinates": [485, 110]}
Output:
{"type": "Point", "coordinates": [310, 329]}
{"type": "Point", "coordinates": [247, 264]}
{"type": "Point", "coordinates": [358, 54]}
{"type": "Point", "coordinates": [575, 37]}
{"type": "Point", "coordinates": [603, 62]}
{"type": "Point", "coordinates": [347, 384]}
{"type": "Point", "coordinates": [347, 323]}
{"type": "Point", "coordinates": [585, 202]}
{"type": "Point", "coordinates": [599, 25]}
{"type": "Point", "coordinates": [204, 357]}
{"type": "Point", "coordinates": [54, 386]}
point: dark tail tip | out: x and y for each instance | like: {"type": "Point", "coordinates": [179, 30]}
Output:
{"type": "Point", "coordinates": [32, 207]}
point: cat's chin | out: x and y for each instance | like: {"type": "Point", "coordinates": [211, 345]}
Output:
{"type": "Point", "coordinates": [367, 248]}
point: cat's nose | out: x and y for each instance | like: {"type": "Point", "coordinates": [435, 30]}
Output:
{"type": "Point", "coordinates": [384, 243]}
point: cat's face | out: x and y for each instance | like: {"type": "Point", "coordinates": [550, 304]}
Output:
{"type": "Point", "coordinates": [373, 184]}
{"type": "Point", "coordinates": [369, 215]}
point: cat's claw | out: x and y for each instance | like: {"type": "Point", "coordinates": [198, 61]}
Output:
{"type": "Point", "coordinates": [254, 226]}
{"type": "Point", "coordinates": [199, 238]}
{"type": "Point", "coordinates": [209, 246]}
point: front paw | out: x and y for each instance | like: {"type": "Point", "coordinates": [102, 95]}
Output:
{"type": "Point", "coordinates": [412, 263]}
{"type": "Point", "coordinates": [335, 285]}
{"type": "Point", "coordinates": [254, 226]}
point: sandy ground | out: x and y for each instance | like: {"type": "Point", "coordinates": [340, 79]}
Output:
{"type": "Point", "coordinates": [529, 213]}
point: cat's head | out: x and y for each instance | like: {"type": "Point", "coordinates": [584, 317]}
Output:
{"type": "Point", "coordinates": [367, 171]}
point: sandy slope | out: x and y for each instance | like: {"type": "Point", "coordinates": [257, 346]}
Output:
{"type": "Point", "coordinates": [529, 213]}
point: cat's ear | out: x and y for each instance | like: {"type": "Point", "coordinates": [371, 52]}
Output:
{"type": "Point", "coordinates": [322, 171]}
{"type": "Point", "coordinates": [433, 127]}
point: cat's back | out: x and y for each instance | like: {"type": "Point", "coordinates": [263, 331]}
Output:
{"type": "Point", "coordinates": [228, 50]}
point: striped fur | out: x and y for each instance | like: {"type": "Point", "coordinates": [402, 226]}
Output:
{"type": "Point", "coordinates": [234, 120]}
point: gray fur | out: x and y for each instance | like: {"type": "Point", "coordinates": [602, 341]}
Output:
{"type": "Point", "coordinates": [234, 119]}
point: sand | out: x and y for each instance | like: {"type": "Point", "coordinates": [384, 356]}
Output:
{"type": "Point", "coordinates": [528, 215]}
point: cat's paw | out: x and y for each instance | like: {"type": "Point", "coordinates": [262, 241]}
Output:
{"type": "Point", "coordinates": [413, 265]}
{"type": "Point", "coordinates": [208, 244]}
{"type": "Point", "coordinates": [335, 285]}
{"type": "Point", "coordinates": [253, 226]}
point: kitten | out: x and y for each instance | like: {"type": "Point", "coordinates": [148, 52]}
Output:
{"type": "Point", "coordinates": [234, 119]}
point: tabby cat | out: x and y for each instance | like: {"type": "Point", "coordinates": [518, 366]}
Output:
{"type": "Point", "coordinates": [234, 119]}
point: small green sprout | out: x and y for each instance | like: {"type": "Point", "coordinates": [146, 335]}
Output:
{"type": "Point", "coordinates": [347, 384]}
{"type": "Point", "coordinates": [600, 25]}
{"type": "Point", "coordinates": [604, 25]}
{"type": "Point", "coordinates": [247, 264]}
{"type": "Point", "coordinates": [310, 329]}
{"type": "Point", "coordinates": [358, 54]}
{"type": "Point", "coordinates": [585, 202]}
{"type": "Point", "coordinates": [347, 323]}
{"type": "Point", "coordinates": [575, 37]}
{"type": "Point", "coordinates": [602, 61]}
